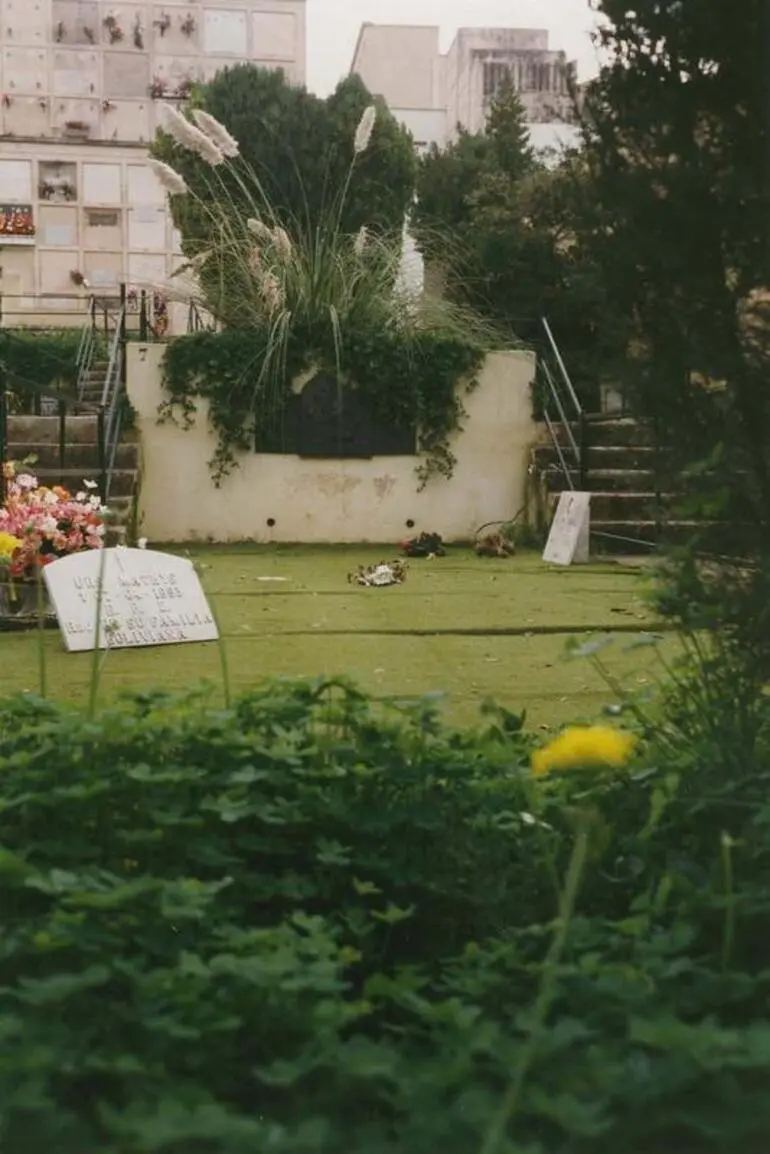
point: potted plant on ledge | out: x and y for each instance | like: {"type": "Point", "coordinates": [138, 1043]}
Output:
{"type": "Point", "coordinates": [37, 526]}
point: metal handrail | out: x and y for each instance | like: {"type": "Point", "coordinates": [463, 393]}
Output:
{"type": "Point", "coordinates": [562, 368]}
{"type": "Point", "coordinates": [111, 403]}
{"type": "Point", "coordinates": [562, 395]}
{"type": "Point", "coordinates": [86, 349]}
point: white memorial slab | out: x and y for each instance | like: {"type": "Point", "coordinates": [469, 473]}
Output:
{"type": "Point", "coordinates": [148, 598]}
{"type": "Point", "coordinates": [568, 541]}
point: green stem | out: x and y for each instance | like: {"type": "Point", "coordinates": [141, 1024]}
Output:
{"type": "Point", "coordinates": [512, 1096]}
{"type": "Point", "coordinates": [41, 633]}
{"type": "Point", "coordinates": [96, 663]}
{"type": "Point", "coordinates": [223, 661]}
{"type": "Point", "coordinates": [728, 940]}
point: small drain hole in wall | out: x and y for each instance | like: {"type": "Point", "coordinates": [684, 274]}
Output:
{"type": "Point", "coordinates": [410, 524]}
{"type": "Point", "coordinates": [271, 522]}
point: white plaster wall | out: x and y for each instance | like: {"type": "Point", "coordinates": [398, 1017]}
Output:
{"type": "Point", "coordinates": [400, 63]}
{"type": "Point", "coordinates": [331, 500]}
{"type": "Point", "coordinates": [427, 125]}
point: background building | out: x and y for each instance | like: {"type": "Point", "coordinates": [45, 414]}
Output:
{"type": "Point", "coordinates": [431, 93]}
{"type": "Point", "coordinates": [81, 84]}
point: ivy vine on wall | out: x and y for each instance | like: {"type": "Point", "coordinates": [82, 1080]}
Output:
{"type": "Point", "coordinates": [416, 382]}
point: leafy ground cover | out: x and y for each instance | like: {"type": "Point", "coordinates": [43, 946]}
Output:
{"type": "Point", "coordinates": [311, 925]}
{"type": "Point", "coordinates": [518, 616]}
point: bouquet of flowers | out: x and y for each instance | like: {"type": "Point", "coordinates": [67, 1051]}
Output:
{"type": "Point", "coordinates": [39, 524]}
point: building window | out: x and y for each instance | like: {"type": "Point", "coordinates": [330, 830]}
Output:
{"type": "Point", "coordinates": [495, 74]}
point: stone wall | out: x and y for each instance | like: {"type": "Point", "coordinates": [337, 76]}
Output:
{"type": "Point", "coordinates": [333, 500]}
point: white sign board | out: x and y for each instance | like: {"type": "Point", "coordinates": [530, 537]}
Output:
{"type": "Point", "coordinates": [568, 540]}
{"type": "Point", "coordinates": [147, 598]}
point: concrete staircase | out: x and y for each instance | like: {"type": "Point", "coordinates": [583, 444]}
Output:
{"type": "Point", "coordinates": [93, 383]}
{"type": "Point", "coordinates": [629, 512]}
{"type": "Point", "coordinates": [39, 437]}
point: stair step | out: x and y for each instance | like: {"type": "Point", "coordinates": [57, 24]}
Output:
{"type": "Point", "coordinates": [24, 431]}
{"type": "Point", "coordinates": [123, 482]}
{"type": "Point", "coordinates": [600, 457]}
{"type": "Point", "coordinates": [612, 432]}
{"type": "Point", "coordinates": [77, 455]}
{"type": "Point", "coordinates": [620, 505]}
{"type": "Point", "coordinates": [605, 480]}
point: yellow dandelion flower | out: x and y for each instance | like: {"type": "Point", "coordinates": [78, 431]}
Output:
{"type": "Point", "coordinates": [585, 746]}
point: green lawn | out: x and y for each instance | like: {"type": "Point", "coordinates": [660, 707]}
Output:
{"type": "Point", "coordinates": [314, 623]}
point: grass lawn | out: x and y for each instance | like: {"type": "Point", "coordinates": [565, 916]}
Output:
{"type": "Point", "coordinates": [405, 640]}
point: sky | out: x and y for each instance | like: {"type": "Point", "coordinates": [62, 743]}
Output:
{"type": "Point", "coordinates": [333, 25]}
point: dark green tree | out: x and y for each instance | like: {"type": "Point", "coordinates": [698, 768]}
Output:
{"type": "Point", "coordinates": [450, 178]}
{"type": "Point", "coordinates": [676, 129]}
{"type": "Point", "coordinates": [300, 148]}
{"type": "Point", "coordinates": [508, 132]}
{"type": "Point", "coordinates": [678, 140]}
{"type": "Point", "coordinates": [504, 227]}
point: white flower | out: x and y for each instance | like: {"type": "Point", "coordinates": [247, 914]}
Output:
{"type": "Point", "coordinates": [49, 524]}
{"type": "Point", "coordinates": [179, 129]}
{"type": "Point", "coordinates": [365, 129]}
{"type": "Point", "coordinates": [282, 242]}
{"type": "Point", "coordinates": [217, 132]}
{"type": "Point", "coordinates": [80, 496]}
{"type": "Point", "coordinates": [90, 484]}
{"type": "Point", "coordinates": [359, 244]}
{"type": "Point", "coordinates": [169, 178]}
{"type": "Point", "coordinates": [50, 498]}
{"type": "Point", "coordinates": [141, 543]}
{"type": "Point", "coordinates": [259, 228]}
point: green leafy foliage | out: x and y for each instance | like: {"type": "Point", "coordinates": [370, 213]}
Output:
{"type": "Point", "coordinates": [314, 924]}
{"type": "Point", "coordinates": [508, 233]}
{"type": "Point", "coordinates": [676, 133]}
{"type": "Point", "coordinates": [34, 361]}
{"type": "Point", "coordinates": [301, 267]}
{"type": "Point", "coordinates": [680, 185]}
{"type": "Point", "coordinates": [300, 148]}
{"type": "Point", "coordinates": [413, 378]}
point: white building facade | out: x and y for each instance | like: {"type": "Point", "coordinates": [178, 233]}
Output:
{"type": "Point", "coordinates": [431, 92]}
{"type": "Point", "coordinates": [81, 85]}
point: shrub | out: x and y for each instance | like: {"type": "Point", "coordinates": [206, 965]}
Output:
{"type": "Point", "coordinates": [312, 924]}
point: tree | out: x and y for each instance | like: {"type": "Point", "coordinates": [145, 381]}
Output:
{"type": "Point", "coordinates": [300, 148]}
{"type": "Point", "coordinates": [450, 178]}
{"type": "Point", "coordinates": [508, 132]}
{"type": "Point", "coordinates": [678, 141]}
{"type": "Point", "coordinates": [676, 132]}
{"type": "Point", "coordinates": [505, 228]}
